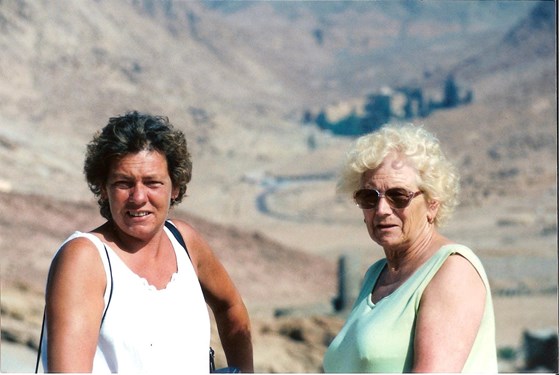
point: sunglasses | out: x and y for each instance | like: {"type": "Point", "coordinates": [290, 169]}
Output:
{"type": "Point", "coordinates": [396, 197]}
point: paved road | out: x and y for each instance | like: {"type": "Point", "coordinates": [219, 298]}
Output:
{"type": "Point", "coordinates": [273, 184]}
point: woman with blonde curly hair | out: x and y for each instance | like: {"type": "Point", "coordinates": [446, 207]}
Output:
{"type": "Point", "coordinates": [427, 306]}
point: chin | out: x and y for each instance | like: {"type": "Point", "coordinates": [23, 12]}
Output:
{"type": "Point", "coordinates": [387, 242]}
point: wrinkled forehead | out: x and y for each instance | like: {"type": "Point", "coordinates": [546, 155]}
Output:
{"type": "Point", "coordinates": [394, 170]}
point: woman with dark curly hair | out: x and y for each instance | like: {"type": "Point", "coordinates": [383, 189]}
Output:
{"type": "Point", "coordinates": [132, 295]}
{"type": "Point", "coordinates": [426, 306]}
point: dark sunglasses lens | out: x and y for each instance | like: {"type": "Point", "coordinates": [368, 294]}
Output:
{"type": "Point", "coordinates": [366, 198]}
{"type": "Point", "coordinates": [397, 198]}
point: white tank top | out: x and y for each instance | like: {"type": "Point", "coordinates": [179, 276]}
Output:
{"type": "Point", "coordinates": [146, 330]}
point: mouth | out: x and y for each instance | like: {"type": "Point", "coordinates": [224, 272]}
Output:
{"type": "Point", "coordinates": [138, 213]}
{"type": "Point", "coordinates": [385, 226]}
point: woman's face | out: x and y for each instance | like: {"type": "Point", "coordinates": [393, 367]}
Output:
{"type": "Point", "coordinates": [139, 191]}
{"type": "Point", "coordinates": [394, 228]}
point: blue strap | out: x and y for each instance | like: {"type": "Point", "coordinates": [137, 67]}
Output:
{"type": "Point", "coordinates": [173, 229]}
{"type": "Point", "coordinates": [111, 291]}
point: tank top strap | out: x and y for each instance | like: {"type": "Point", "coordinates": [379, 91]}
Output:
{"type": "Point", "coordinates": [469, 255]}
{"type": "Point", "coordinates": [427, 271]}
{"type": "Point", "coordinates": [104, 255]}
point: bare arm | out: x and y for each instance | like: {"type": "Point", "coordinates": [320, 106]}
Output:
{"type": "Point", "coordinates": [74, 307]}
{"type": "Point", "coordinates": [223, 298]}
{"type": "Point", "coordinates": [449, 317]}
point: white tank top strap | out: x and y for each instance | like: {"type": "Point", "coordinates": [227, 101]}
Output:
{"type": "Point", "coordinates": [104, 255]}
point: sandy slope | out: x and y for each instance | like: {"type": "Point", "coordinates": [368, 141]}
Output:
{"type": "Point", "coordinates": [242, 121]}
{"type": "Point", "coordinates": [520, 261]}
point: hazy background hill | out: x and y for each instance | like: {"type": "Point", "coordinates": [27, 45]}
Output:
{"type": "Point", "coordinates": [237, 77]}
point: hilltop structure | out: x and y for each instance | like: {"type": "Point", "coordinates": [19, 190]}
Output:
{"type": "Point", "coordinates": [401, 104]}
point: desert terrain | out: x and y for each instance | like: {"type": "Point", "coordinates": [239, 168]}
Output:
{"type": "Point", "coordinates": [237, 81]}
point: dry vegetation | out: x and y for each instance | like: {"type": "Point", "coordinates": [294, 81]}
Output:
{"type": "Point", "coordinates": [237, 84]}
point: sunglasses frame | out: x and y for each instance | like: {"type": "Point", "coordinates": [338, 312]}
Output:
{"type": "Point", "coordinates": [410, 196]}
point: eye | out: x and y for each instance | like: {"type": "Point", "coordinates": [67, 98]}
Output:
{"type": "Point", "coordinates": [153, 183]}
{"type": "Point", "coordinates": [397, 193]}
{"type": "Point", "coordinates": [122, 184]}
{"type": "Point", "coordinates": [366, 198]}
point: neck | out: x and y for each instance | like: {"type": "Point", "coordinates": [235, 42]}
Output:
{"type": "Point", "coordinates": [404, 261]}
{"type": "Point", "coordinates": [131, 244]}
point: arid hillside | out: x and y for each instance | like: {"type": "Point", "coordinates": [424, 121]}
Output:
{"type": "Point", "coordinates": [238, 77]}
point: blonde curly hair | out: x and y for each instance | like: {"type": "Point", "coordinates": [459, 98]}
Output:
{"type": "Point", "coordinates": [437, 176]}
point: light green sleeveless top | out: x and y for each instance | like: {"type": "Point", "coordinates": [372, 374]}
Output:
{"type": "Point", "coordinates": [380, 337]}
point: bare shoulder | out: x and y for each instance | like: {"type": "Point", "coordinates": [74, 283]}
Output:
{"type": "Point", "coordinates": [451, 309]}
{"type": "Point", "coordinates": [457, 266]}
{"type": "Point", "coordinates": [197, 246]}
{"type": "Point", "coordinates": [191, 236]}
{"type": "Point", "coordinates": [184, 227]}
{"type": "Point", "coordinates": [74, 305]}
{"type": "Point", "coordinates": [458, 275]}
{"type": "Point", "coordinates": [78, 258]}
{"type": "Point", "coordinates": [78, 249]}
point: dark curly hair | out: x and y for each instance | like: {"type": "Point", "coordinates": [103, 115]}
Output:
{"type": "Point", "coordinates": [130, 134]}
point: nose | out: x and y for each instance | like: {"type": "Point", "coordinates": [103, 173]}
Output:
{"type": "Point", "coordinates": [383, 206]}
{"type": "Point", "coordinates": [137, 193]}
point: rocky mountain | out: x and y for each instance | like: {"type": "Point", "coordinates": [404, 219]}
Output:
{"type": "Point", "coordinates": [237, 78]}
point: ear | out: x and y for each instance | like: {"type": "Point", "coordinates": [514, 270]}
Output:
{"type": "Point", "coordinates": [103, 192]}
{"type": "Point", "coordinates": [174, 192]}
{"type": "Point", "coordinates": [433, 208]}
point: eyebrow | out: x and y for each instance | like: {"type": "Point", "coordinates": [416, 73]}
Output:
{"type": "Point", "coordinates": [125, 176]}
